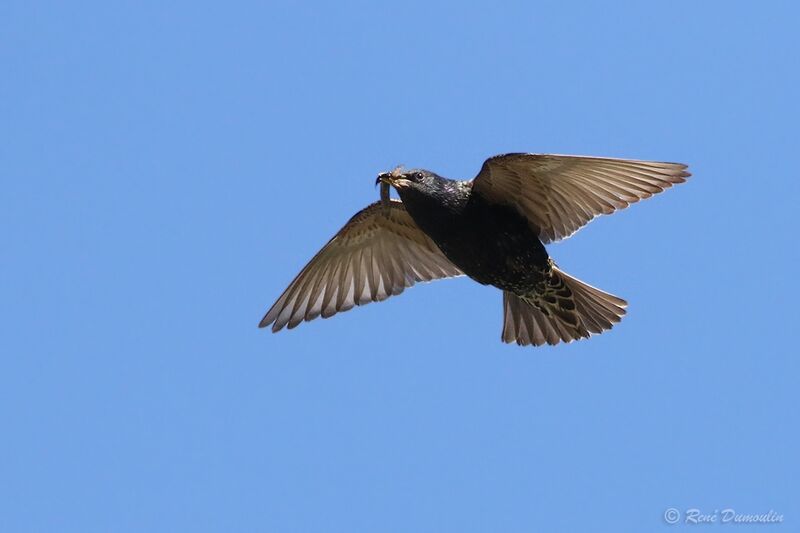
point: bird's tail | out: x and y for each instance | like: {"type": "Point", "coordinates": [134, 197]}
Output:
{"type": "Point", "coordinates": [565, 309]}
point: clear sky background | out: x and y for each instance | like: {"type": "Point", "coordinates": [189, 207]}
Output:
{"type": "Point", "coordinates": [168, 167]}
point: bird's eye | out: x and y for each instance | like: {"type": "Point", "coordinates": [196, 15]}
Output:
{"type": "Point", "coordinates": [418, 176]}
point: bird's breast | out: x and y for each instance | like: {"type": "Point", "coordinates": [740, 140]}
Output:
{"type": "Point", "coordinates": [493, 244]}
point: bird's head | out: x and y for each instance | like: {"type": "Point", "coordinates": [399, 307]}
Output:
{"type": "Point", "coordinates": [418, 180]}
{"type": "Point", "coordinates": [424, 190]}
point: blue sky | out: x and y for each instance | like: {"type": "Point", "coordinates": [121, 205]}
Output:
{"type": "Point", "coordinates": [168, 167]}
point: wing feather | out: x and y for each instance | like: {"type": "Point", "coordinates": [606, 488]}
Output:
{"type": "Point", "coordinates": [377, 254]}
{"type": "Point", "coordinates": [559, 194]}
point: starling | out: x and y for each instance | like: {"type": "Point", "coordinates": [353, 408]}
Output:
{"type": "Point", "coordinates": [492, 229]}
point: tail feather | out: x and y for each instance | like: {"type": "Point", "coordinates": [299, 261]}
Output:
{"type": "Point", "coordinates": [566, 309]}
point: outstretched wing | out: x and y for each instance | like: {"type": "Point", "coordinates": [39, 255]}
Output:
{"type": "Point", "coordinates": [560, 193]}
{"type": "Point", "coordinates": [377, 254]}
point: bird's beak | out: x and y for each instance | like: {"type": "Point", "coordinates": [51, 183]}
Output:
{"type": "Point", "coordinates": [396, 182]}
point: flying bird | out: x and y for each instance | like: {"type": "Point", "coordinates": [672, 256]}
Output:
{"type": "Point", "coordinates": [492, 229]}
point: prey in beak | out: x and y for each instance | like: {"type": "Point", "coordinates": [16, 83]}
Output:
{"type": "Point", "coordinates": [395, 179]}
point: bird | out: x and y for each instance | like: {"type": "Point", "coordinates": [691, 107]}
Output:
{"type": "Point", "coordinates": [493, 229]}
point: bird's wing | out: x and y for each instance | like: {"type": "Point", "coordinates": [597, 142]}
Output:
{"type": "Point", "coordinates": [377, 254]}
{"type": "Point", "coordinates": [560, 193]}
